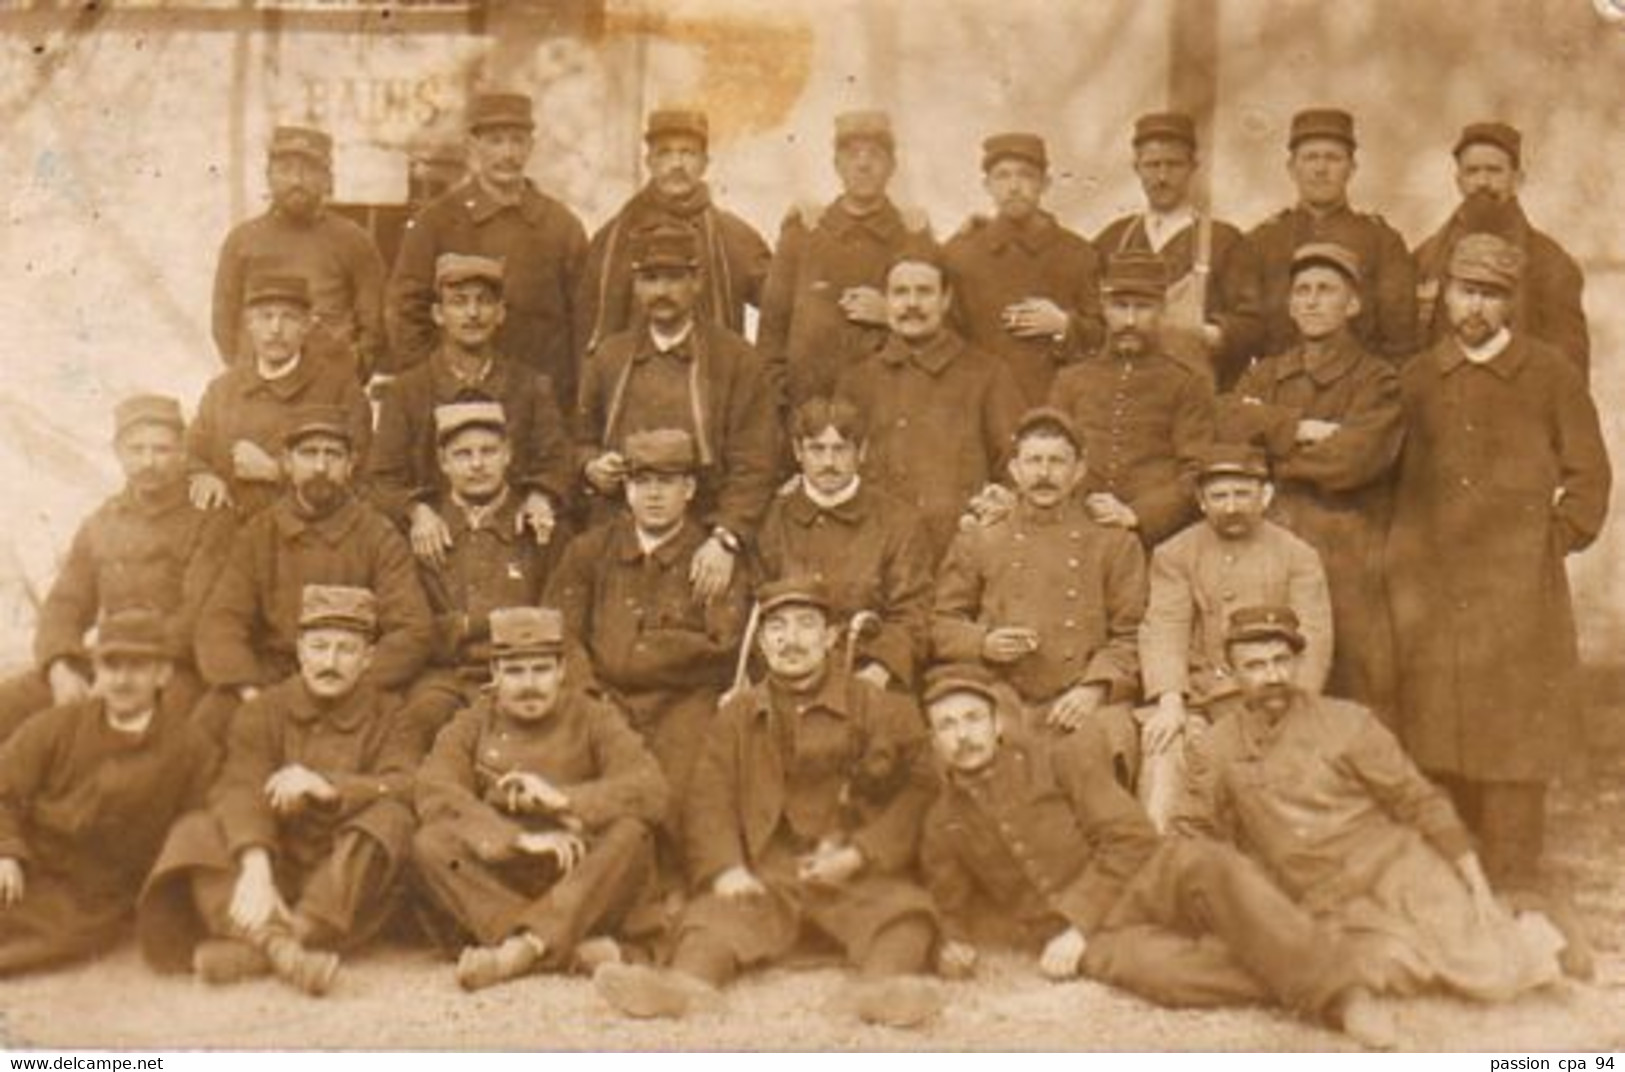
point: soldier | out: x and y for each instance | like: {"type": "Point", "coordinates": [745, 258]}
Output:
{"type": "Point", "coordinates": [1328, 415]}
{"type": "Point", "coordinates": [1145, 417]}
{"type": "Point", "coordinates": [676, 369]}
{"type": "Point", "coordinates": [469, 309]}
{"type": "Point", "coordinates": [1324, 798]}
{"type": "Point", "coordinates": [1040, 847]}
{"type": "Point", "coordinates": [487, 563]}
{"type": "Point", "coordinates": [318, 532]}
{"type": "Point", "coordinates": [536, 806]}
{"type": "Point", "coordinates": [234, 438]}
{"type": "Point", "coordinates": [296, 856]}
{"type": "Point", "coordinates": [939, 411]}
{"type": "Point", "coordinates": [805, 815]}
{"type": "Point", "coordinates": [1232, 558]}
{"type": "Point", "coordinates": [87, 793]}
{"type": "Point", "coordinates": [634, 626]}
{"type": "Point", "coordinates": [861, 542]}
{"type": "Point", "coordinates": [1321, 162]}
{"type": "Point", "coordinates": [734, 258]}
{"type": "Point", "coordinates": [498, 213]}
{"type": "Point", "coordinates": [299, 236]}
{"type": "Point", "coordinates": [1503, 474]}
{"type": "Point", "coordinates": [1489, 174]}
{"type": "Point", "coordinates": [1028, 288]}
{"type": "Point", "coordinates": [1214, 319]}
{"type": "Point", "coordinates": [1049, 600]}
{"type": "Point", "coordinates": [822, 306]}
{"type": "Point", "coordinates": [147, 547]}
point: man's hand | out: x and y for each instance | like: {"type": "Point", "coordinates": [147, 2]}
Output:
{"type": "Point", "coordinates": [527, 793]}
{"type": "Point", "coordinates": [737, 882]}
{"type": "Point", "coordinates": [1313, 431]}
{"type": "Point", "coordinates": [255, 902]}
{"type": "Point", "coordinates": [1212, 336]}
{"type": "Point", "coordinates": [288, 788]}
{"type": "Point", "coordinates": [1074, 706]}
{"type": "Point", "coordinates": [250, 462]}
{"type": "Point", "coordinates": [606, 473]}
{"type": "Point", "coordinates": [536, 513]}
{"type": "Point", "coordinates": [875, 674]}
{"type": "Point", "coordinates": [956, 960]}
{"type": "Point", "coordinates": [1161, 731]}
{"type": "Point", "coordinates": [988, 507]}
{"type": "Point", "coordinates": [864, 305]}
{"type": "Point", "coordinates": [1035, 318]}
{"type": "Point", "coordinates": [1007, 643]}
{"type": "Point", "coordinates": [710, 570]}
{"type": "Point", "coordinates": [1485, 906]}
{"type": "Point", "coordinates": [1107, 509]}
{"type": "Point", "coordinates": [12, 886]}
{"type": "Point", "coordinates": [245, 693]}
{"type": "Point", "coordinates": [208, 492]}
{"type": "Point", "coordinates": [431, 539]}
{"type": "Point", "coordinates": [1063, 954]}
{"type": "Point", "coordinates": [830, 865]}
{"type": "Point", "coordinates": [68, 685]}
{"type": "Point", "coordinates": [568, 849]}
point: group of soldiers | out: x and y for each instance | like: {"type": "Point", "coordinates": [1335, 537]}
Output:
{"type": "Point", "coordinates": [1186, 606]}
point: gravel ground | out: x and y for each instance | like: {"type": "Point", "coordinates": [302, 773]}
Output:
{"type": "Point", "coordinates": [404, 999]}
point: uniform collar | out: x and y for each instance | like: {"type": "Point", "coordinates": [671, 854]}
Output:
{"type": "Point", "coordinates": [497, 518]}
{"type": "Point", "coordinates": [684, 350]}
{"type": "Point", "coordinates": [1345, 354]}
{"type": "Point", "coordinates": [447, 386]}
{"type": "Point", "coordinates": [348, 713]}
{"type": "Point", "coordinates": [250, 382]}
{"type": "Point", "coordinates": [625, 545]}
{"type": "Point", "coordinates": [170, 499]}
{"type": "Point", "coordinates": [804, 510]}
{"type": "Point", "coordinates": [933, 357]}
{"type": "Point", "coordinates": [884, 223]}
{"type": "Point", "coordinates": [1506, 364]}
{"type": "Point", "coordinates": [482, 206]}
{"type": "Point", "coordinates": [331, 529]}
{"type": "Point", "coordinates": [1034, 235]}
{"type": "Point", "coordinates": [832, 695]}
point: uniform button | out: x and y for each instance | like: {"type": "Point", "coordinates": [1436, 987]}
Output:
{"type": "Point", "coordinates": [491, 753]}
{"type": "Point", "coordinates": [1072, 563]}
{"type": "Point", "coordinates": [1072, 593]}
{"type": "Point", "coordinates": [902, 422]}
{"type": "Point", "coordinates": [1070, 624]}
{"type": "Point", "coordinates": [1020, 536]}
{"type": "Point", "coordinates": [1466, 482]}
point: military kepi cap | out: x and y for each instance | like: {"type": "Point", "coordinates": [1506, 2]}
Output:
{"type": "Point", "coordinates": [1330, 254]}
{"type": "Point", "coordinates": [1048, 419]}
{"type": "Point", "coordinates": [662, 450]}
{"type": "Point", "coordinates": [453, 268]}
{"type": "Point", "coordinates": [864, 126]}
{"type": "Point", "coordinates": [1488, 259]}
{"type": "Point", "coordinates": [950, 678]}
{"type": "Point", "coordinates": [337, 606]}
{"type": "Point", "coordinates": [1331, 123]}
{"type": "Point", "coordinates": [800, 591]}
{"type": "Point", "coordinates": [669, 122]}
{"type": "Point", "coordinates": [1165, 126]}
{"type": "Point", "coordinates": [493, 111]}
{"type": "Point", "coordinates": [307, 142]}
{"type": "Point", "coordinates": [664, 246]}
{"type": "Point", "coordinates": [1503, 136]}
{"type": "Point", "coordinates": [292, 289]}
{"type": "Point", "coordinates": [1015, 146]}
{"type": "Point", "coordinates": [1234, 459]}
{"type": "Point", "coordinates": [318, 418]}
{"type": "Point", "coordinates": [453, 417]}
{"type": "Point", "coordinates": [1135, 272]}
{"type": "Point", "coordinates": [526, 631]}
{"type": "Point", "coordinates": [132, 631]}
{"type": "Point", "coordinates": [147, 409]}
{"type": "Point", "coordinates": [1250, 624]}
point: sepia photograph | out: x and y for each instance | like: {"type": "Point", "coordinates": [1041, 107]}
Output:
{"type": "Point", "coordinates": [812, 525]}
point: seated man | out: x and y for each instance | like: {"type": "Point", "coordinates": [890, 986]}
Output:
{"type": "Point", "coordinates": [147, 546]}
{"type": "Point", "coordinates": [1046, 597]}
{"type": "Point", "coordinates": [1040, 847]}
{"type": "Point", "coordinates": [488, 562]}
{"type": "Point", "coordinates": [862, 542]}
{"type": "Point", "coordinates": [536, 804]}
{"type": "Point", "coordinates": [1322, 795]}
{"type": "Point", "coordinates": [804, 816]}
{"type": "Point", "coordinates": [406, 479]}
{"type": "Point", "coordinates": [87, 793]}
{"type": "Point", "coordinates": [297, 854]}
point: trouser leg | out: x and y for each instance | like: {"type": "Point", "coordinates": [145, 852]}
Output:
{"type": "Point", "coordinates": [901, 948]}
{"type": "Point", "coordinates": [1511, 831]}
{"type": "Point", "coordinates": [474, 893]}
{"type": "Point", "coordinates": [1466, 797]}
{"type": "Point", "coordinates": [349, 895]}
{"type": "Point", "coordinates": [212, 890]}
{"type": "Point", "coordinates": [598, 893]}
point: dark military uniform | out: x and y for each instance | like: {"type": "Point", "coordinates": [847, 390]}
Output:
{"type": "Point", "coordinates": [1386, 324]}
{"type": "Point", "coordinates": [335, 864]}
{"type": "Point", "coordinates": [1044, 839]}
{"type": "Point", "coordinates": [240, 404]}
{"type": "Point", "coordinates": [464, 847]}
{"type": "Point", "coordinates": [710, 386]}
{"type": "Point", "coordinates": [1146, 421]}
{"type": "Point", "coordinates": [404, 464]}
{"type": "Point", "coordinates": [783, 773]}
{"type": "Point", "coordinates": [805, 340]}
{"type": "Point", "coordinates": [1334, 493]}
{"type": "Point", "coordinates": [85, 807]}
{"type": "Point", "coordinates": [994, 263]}
{"type": "Point", "coordinates": [870, 552]}
{"type": "Point", "coordinates": [940, 418]}
{"type": "Point", "coordinates": [542, 246]}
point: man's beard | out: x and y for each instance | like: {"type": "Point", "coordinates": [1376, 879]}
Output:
{"type": "Point", "coordinates": [300, 205]}
{"type": "Point", "coordinates": [1276, 696]}
{"type": "Point", "coordinates": [320, 494]}
{"type": "Point", "coordinates": [1130, 343]}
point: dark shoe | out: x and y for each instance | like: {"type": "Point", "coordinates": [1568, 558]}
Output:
{"type": "Point", "coordinates": [307, 970]}
{"type": "Point", "coordinates": [1366, 1021]}
{"type": "Point", "coordinates": [223, 961]}
{"type": "Point", "coordinates": [902, 1001]}
{"type": "Point", "coordinates": [481, 966]}
{"type": "Point", "coordinates": [646, 993]}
